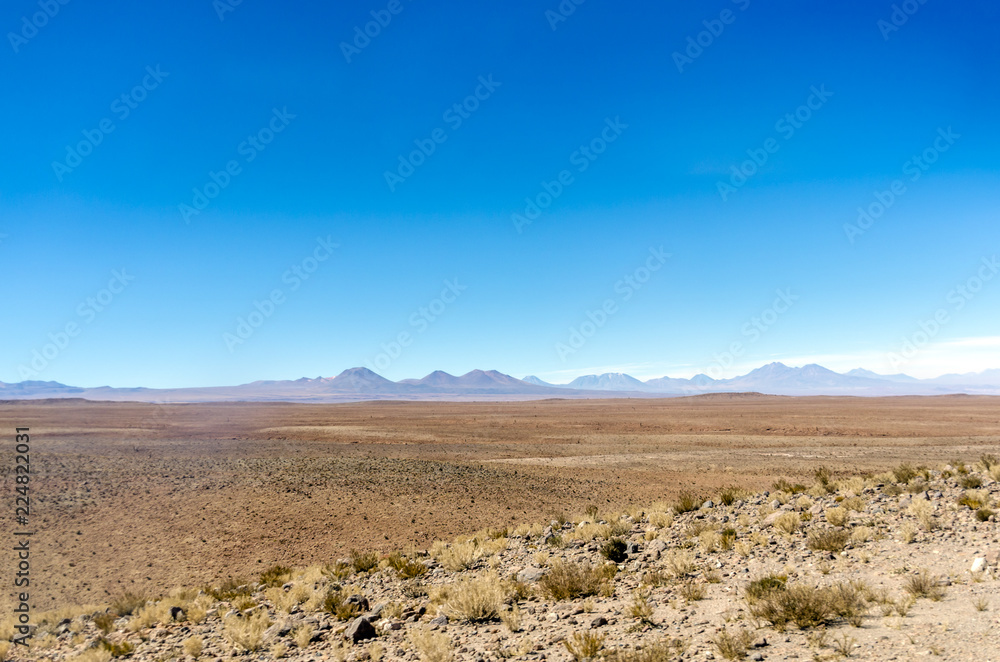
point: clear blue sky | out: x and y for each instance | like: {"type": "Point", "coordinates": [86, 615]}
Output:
{"type": "Point", "coordinates": [197, 88]}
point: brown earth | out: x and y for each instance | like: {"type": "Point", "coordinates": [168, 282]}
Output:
{"type": "Point", "coordinates": [129, 496]}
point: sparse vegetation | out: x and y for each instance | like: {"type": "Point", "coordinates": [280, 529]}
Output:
{"type": "Point", "coordinates": [614, 550]}
{"type": "Point", "coordinates": [430, 646]}
{"type": "Point", "coordinates": [584, 645]}
{"type": "Point", "coordinates": [566, 581]}
{"type": "Point", "coordinates": [732, 646]}
{"type": "Point", "coordinates": [827, 540]}
{"type": "Point", "coordinates": [687, 502]}
{"type": "Point", "coordinates": [924, 585]}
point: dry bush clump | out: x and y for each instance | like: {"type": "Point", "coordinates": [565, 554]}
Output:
{"type": "Point", "coordinates": [363, 561]}
{"type": "Point", "coordinates": [431, 646]}
{"type": "Point", "coordinates": [807, 606]}
{"type": "Point", "coordinates": [692, 591]}
{"type": "Point", "coordinates": [686, 503]}
{"type": "Point", "coordinates": [193, 646]}
{"type": "Point", "coordinates": [788, 522]}
{"type": "Point", "coordinates": [246, 633]}
{"type": "Point", "coordinates": [476, 600]}
{"type": "Point", "coordinates": [827, 540]}
{"type": "Point", "coordinates": [566, 581]}
{"type": "Point", "coordinates": [128, 603]}
{"type": "Point", "coordinates": [732, 646]}
{"type": "Point", "coordinates": [974, 499]}
{"type": "Point", "coordinates": [924, 585]}
{"type": "Point", "coordinates": [584, 645]}
{"type": "Point", "coordinates": [664, 650]}
{"type": "Point", "coordinates": [924, 512]}
{"type": "Point", "coordinates": [837, 516]}
{"type": "Point", "coordinates": [679, 562]}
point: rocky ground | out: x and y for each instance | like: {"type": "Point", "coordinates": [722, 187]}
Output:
{"type": "Point", "coordinates": [893, 566]}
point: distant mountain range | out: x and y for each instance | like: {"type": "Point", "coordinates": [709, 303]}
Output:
{"type": "Point", "coordinates": [357, 384]}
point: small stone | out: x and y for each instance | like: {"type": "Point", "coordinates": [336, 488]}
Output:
{"type": "Point", "coordinates": [358, 600]}
{"type": "Point", "coordinates": [708, 505]}
{"type": "Point", "coordinates": [598, 622]}
{"type": "Point", "coordinates": [530, 575]}
{"type": "Point", "coordinates": [360, 629]}
{"type": "Point", "coordinates": [978, 565]}
{"type": "Point", "coordinates": [176, 613]}
{"type": "Point", "coordinates": [757, 657]}
{"type": "Point", "coordinates": [439, 620]}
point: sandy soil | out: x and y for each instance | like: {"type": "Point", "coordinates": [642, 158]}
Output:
{"type": "Point", "coordinates": [146, 497]}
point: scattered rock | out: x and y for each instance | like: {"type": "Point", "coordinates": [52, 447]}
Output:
{"type": "Point", "coordinates": [530, 575]}
{"type": "Point", "coordinates": [598, 622]}
{"type": "Point", "coordinates": [360, 629]}
{"type": "Point", "coordinates": [978, 565]}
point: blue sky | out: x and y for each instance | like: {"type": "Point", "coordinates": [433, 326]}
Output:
{"type": "Point", "coordinates": [171, 166]}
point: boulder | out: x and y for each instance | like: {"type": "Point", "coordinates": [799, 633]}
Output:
{"type": "Point", "coordinates": [530, 575]}
{"type": "Point", "coordinates": [360, 629]}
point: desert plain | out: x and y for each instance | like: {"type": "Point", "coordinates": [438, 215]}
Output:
{"type": "Point", "coordinates": [142, 497]}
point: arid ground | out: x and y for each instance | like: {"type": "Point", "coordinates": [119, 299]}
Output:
{"type": "Point", "coordinates": [143, 497]}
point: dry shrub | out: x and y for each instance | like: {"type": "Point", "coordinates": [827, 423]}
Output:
{"type": "Point", "coordinates": [431, 646]}
{"type": "Point", "coordinates": [788, 522]}
{"type": "Point", "coordinates": [709, 540]}
{"type": "Point", "coordinates": [904, 473]}
{"type": "Point", "coordinates": [860, 534]}
{"type": "Point", "coordinates": [924, 512]}
{"type": "Point", "coordinates": [762, 587]}
{"type": "Point", "coordinates": [827, 540]}
{"type": "Point", "coordinates": [93, 655]}
{"type": "Point", "coordinates": [660, 651]}
{"type": "Point", "coordinates": [730, 495]}
{"type": "Point", "coordinates": [732, 646]}
{"type": "Point", "coordinates": [855, 503]}
{"type": "Point", "coordinates": [193, 646]}
{"type": "Point", "coordinates": [584, 645]}
{"type": "Point", "coordinates": [128, 603]}
{"type": "Point", "coordinates": [661, 519]}
{"type": "Point", "coordinates": [974, 499]}
{"type": "Point", "coordinates": [303, 635]}
{"type": "Point", "coordinates": [363, 561]}
{"type": "Point", "coordinates": [476, 600]}
{"type": "Point", "coordinates": [924, 585]}
{"type": "Point", "coordinates": [837, 516]}
{"type": "Point", "coordinates": [512, 618]}
{"type": "Point", "coordinates": [687, 502]}
{"type": "Point", "coordinates": [679, 562]}
{"type": "Point", "coordinates": [692, 592]}
{"type": "Point", "coordinates": [246, 633]}
{"type": "Point", "coordinates": [566, 581]}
